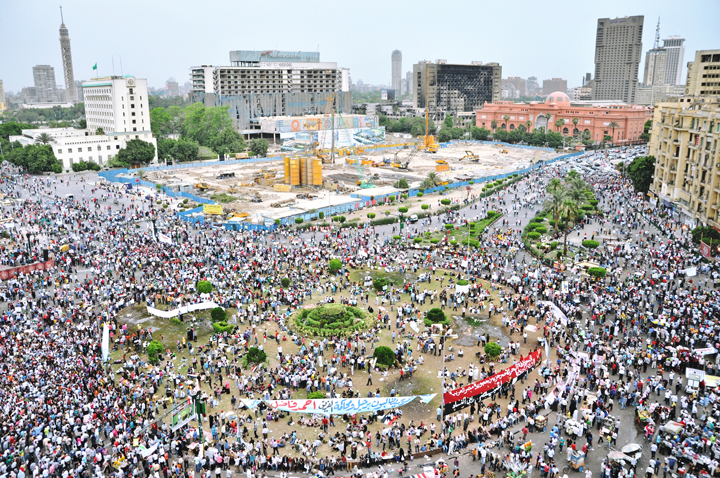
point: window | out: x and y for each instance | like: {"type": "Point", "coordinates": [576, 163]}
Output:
{"type": "Point", "coordinates": [135, 129]}
{"type": "Point", "coordinates": [108, 147]}
{"type": "Point", "coordinates": [132, 105]}
{"type": "Point", "coordinates": [99, 148]}
{"type": "Point", "coordinates": [132, 114]}
{"type": "Point", "coordinates": [100, 157]}
{"type": "Point", "coordinates": [89, 158]}
{"type": "Point", "coordinates": [59, 151]}
{"type": "Point", "coordinates": [117, 146]}
{"type": "Point", "coordinates": [69, 150]}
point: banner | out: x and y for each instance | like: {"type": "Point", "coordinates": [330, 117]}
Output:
{"type": "Point", "coordinates": [559, 314]}
{"type": "Point", "coordinates": [164, 238]}
{"type": "Point", "coordinates": [339, 406]}
{"type": "Point", "coordinates": [169, 314]}
{"type": "Point", "coordinates": [212, 208]}
{"type": "Point", "coordinates": [12, 272]}
{"type": "Point", "coordinates": [475, 392]}
{"type": "Point", "coordinates": [105, 344]}
{"type": "Point", "coordinates": [182, 415]}
{"type": "Point", "coordinates": [705, 250]}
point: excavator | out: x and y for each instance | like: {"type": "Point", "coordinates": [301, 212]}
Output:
{"type": "Point", "coordinates": [203, 186]}
{"type": "Point", "coordinates": [471, 156]}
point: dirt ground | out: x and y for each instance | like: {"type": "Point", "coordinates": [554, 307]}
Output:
{"type": "Point", "coordinates": [424, 381]}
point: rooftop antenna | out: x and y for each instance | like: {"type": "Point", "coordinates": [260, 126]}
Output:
{"type": "Point", "coordinates": [61, 16]}
{"type": "Point", "coordinates": [657, 35]}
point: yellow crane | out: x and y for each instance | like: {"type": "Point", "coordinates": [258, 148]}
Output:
{"type": "Point", "coordinates": [429, 143]}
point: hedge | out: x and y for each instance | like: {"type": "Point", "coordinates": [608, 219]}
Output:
{"type": "Point", "coordinates": [433, 241]}
{"type": "Point", "coordinates": [417, 240]}
{"type": "Point", "coordinates": [533, 235]}
{"type": "Point", "coordinates": [462, 282]}
{"type": "Point", "coordinates": [221, 327]}
{"type": "Point", "coordinates": [218, 314]}
{"type": "Point", "coordinates": [371, 215]}
{"type": "Point", "coordinates": [397, 238]}
{"type": "Point", "coordinates": [541, 229]}
{"type": "Point", "coordinates": [597, 272]}
{"type": "Point", "coordinates": [425, 207]}
{"type": "Point", "coordinates": [385, 220]}
{"type": "Point", "coordinates": [590, 244]}
{"type": "Point", "coordinates": [449, 226]}
{"type": "Point", "coordinates": [403, 209]}
{"type": "Point", "coordinates": [445, 201]}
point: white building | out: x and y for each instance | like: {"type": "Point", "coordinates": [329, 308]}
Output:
{"type": "Point", "coordinates": [117, 104]}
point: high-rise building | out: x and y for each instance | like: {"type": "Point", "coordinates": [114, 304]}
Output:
{"type": "Point", "coordinates": [456, 87]}
{"type": "Point", "coordinates": [3, 106]}
{"type": "Point", "coordinates": [520, 84]}
{"type": "Point", "coordinates": [79, 91]}
{"type": "Point", "coordinates": [396, 70]}
{"type": "Point", "coordinates": [703, 76]}
{"type": "Point", "coordinates": [408, 80]}
{"type": "Point", "coordinates": [553, 85]}
{"type": "Point", "coordinates": [655, 67]}
{"type": "Point", "coordinates": [532, 86]}
{"type": "Point", "coordinates": [118, 105]}
{"type": "Point", "coordinates": [684, 140]}
{"type": "Point", "coordinates": [45, 88]}
{"type": "Point", "coordinates": [618, 49]}
{"type": "Point", "coordinates": [70, 94]}
{"type": "Point", "coordinates": [675, 54]}
{"type": "Point", "coordinates": [171, 87]}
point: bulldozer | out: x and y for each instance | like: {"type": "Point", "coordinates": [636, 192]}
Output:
{"type": "Point", "coordinates": [203, 186]}
{"type": "Point", "coordinates": [504, 151]}
{"type": "Point", "coordinates": [441, 161]}
{"type": "Point", "coordinates": [233, 189]}
{"type": "Point", "coordinates": [471, 156]}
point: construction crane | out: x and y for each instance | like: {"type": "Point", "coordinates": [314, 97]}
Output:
{"type": "Point", "coordinates": [329, 111]}
{"type": "Point", "coordinates": [429, 143]}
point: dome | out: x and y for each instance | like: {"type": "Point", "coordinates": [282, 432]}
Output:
{"type": "Point", "coordinates": [558, 97]}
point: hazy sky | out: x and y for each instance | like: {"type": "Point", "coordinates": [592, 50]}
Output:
{"type": "Point", "coordinates": [158, 40]}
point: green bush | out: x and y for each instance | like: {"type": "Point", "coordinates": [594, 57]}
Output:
{"type": "Point", "coordinates": [380, 283]}
{"type": "Point", "coordinates": [531, 227]}
{"type": "Point", "coordinates": [254, 356]}
{"type": "Point", "coordinates": [385, 356]}
{"type": "Point", "coordinates": [436, 316]}
{"type": "Point", "coordinates": [385, 220]}
{"type": "Point", "coordinates": [371, 215]}
{"type": "Point", "coordinates": [597, 272]}
{"type": "Point", "coordinates": [541, 229]}
{"type": "Point", "coordinates": [471, 183]}
{"type": "Point", "coordinates": [553, 245]}
{"type": "Point", "coordinates": [445, 201]}
{"type": "Point", "coordinates": [316, 395]}
{"type": "Point", "coordinates": [321, 215]}
{"type": "Point", "coordinates": [154, 349]}
{"type": "Point", "coordinates": [403, 209]}
{"type": "Point", "coordinates": [298, 220]}
{"type": "Point", "coordinates": [449, 226]}
{"type": "Point", "coordinates": [277, 222]}
{"type": "Point", "coordinates": [218, 314]}
{"type": "Point", "coordinates": [590, 244]}
{"type": "Point", "coordinates": [391, 198]}
{"type": "Point", "coordinates": [417, 240]}
{"type": "Point", "coordinates": [492, 213]}
{"type": "Point", "coordinates": [462, 282]}
{"type": "Point", "coordinates": [424, 207]}
{"type": "Point", "coordinates": [433, 241]}
{"type": "Point", "coordinates": [334, 265]}
{"type": "Point", "coordinates": [537, 219]}
{"type": "Point", "coordinates": [330, 320]}
{"type": "Point", "coordinates": [533, 235]}
{"type": "Point", "coordinates": [204, 287]}
{"type": "Point", "coordinates": [453, 243]}
{"type": "Point", "coordinates": [222, 327]}
{"type": "Point", "coordinates": [419, 195]}
{"type": "Point", "coordinates": [404, 196]}
{"type": "Point", "coordinates": [285, 281]}
{"type": "Point", "coordinates": [588, 207]}
{"type": "Point", "coordinates": [397, 238]}
{"type": "Point", "coordinates": [492, 349]}
{"type": "Point", "coordinates": [593, 202]}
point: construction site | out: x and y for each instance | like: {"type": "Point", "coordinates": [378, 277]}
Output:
{"type": "Point", "coordinates": [323, 178]}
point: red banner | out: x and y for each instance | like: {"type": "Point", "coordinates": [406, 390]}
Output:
{"type": "Point", "coordinates": [705, 250]}
{"type": "Point", "coordinates": [465, 396]}
{"type": "Point", "coordinates": [12, 272]}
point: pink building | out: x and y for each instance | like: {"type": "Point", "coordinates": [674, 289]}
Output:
{"type": "Point", "coordinates": [595, 118]}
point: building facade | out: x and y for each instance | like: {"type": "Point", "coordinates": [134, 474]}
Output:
{"type": "Point", "coordinates": [45, 87]}
{"type": "Point", "coordinates": [409, 82]}
{"type": "Point", "coordinates": [703, 76]}
{"type": "Point", "coordinates": [272, 83]}
{"type": "Point", "coordinates": [675, 47]}
{"type": "Point", "coordinates": [520, 84]}
{"type": "Point", "coordinates": [655, 67]}
{"type": "Point", "coordinates": [118, 105]}
{"type": "Point", "coordinates": [396, 60]}
{"type": "Point", "coordinates": [532, 86]}
{"type": "Point", "coordinates": [684, 141]}
{"type": "Point", "coordinates": [553, 85]}
{"type": "Point", "coordinates": [595, 119]}
{"type": "Point", "coordinates": [580, 93]}
{"type": "Point", "coordinates": [456, 87]}
{"type": "Point", "coordinates": [3, 103]}
{"type": "Point", "coordinates": [618, 49]}
{"type": "Point", "coordinates": [70, 93]}
{"type": "Point", "coordinates": [651, 95]}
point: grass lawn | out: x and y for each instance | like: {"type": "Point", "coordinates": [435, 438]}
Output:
{"type": "Point", "coordinates": [223, 198]}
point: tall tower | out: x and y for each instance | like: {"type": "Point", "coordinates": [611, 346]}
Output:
{"type": "Point", "coordinates": [675, 53]}
{"type": "Point", "coordinates": [71, 95]}
{"type": "Point", "coordinates": [618, 49]}
{"type": "Point", "coordinates": [396, 71]}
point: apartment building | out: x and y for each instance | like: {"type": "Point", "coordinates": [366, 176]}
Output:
{"type": "Point", "coordinates": [703, 77]}
{"type": "Point", "coordinates": [684, 141]}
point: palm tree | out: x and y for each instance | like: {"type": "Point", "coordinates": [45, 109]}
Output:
{"type": "Point", "coordinates": [429, 181]}
{"type": "Point", "coordinates": [576, 190]}
{"type": "Point", "coordinates": [554, 184]}
{"type": "Point", "coordinates": [549, 117]}
{"type": "Point", "coordinates": [575, 122]}
{"type": "Point", "coordinates": [528, 124]}
{"type": "Point", "coordinates": [568, 208]}
{"type": "Point", "coordinates": [554, 203]}
{"type": "Point", "coordinates": [506, 118]}
{"type": "Point", "coordinates": [493, 125]}
{"type": "Point", "coordinates": [613, 125]}
{"type": "Point", "coordinates": [559, 124]}
{"type": "Point", "coordinates": [44, 138]}
{"type": "Point", "coordinates": [141, 173]}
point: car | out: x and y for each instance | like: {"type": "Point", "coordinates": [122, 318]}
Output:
{"type": "Point", "coordinates": [414, 218]}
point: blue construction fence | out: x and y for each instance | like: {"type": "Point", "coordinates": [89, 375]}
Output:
{"type": "Point", "coordinates": [499, 143]}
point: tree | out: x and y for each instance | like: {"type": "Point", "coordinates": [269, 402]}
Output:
{"type": "Point", "coordinates": [436, 316]}
{"type": "Point", "coordinates": [559, 124]}
{"type": "Point", "coordinates": [479, 134]}
{"type": "Point", "coordinates": [13, 129]}
{"type": "Point", "coordinates": [185, 150]}
{"type": "Point", "coordinates": [613, 125]}
{"type": "Point", "coordinates": [44, 138]}
{"type": "Point", "coordinates": [493, 125]}
{"type": "Point", "coordinates": [165, 148]}
{"type": "Point", "coordinates": [254, 355]}
{"type": "Point", "coordinates": [38, 158]}
{"type": "Point", "coordinates": [202, 124]}
{"type": "Point", "coordinates": [448, 123]}
{"type": "Point", "coordinates": [444, 135]}
{"type": "Point", "coordinates": [492, 349]}
{"type": "Point", "coordinates": [429, 181]}
{"type": "Point", "coordinates": [137, 151]}
{"type": "Point", "coordinates": [159, 119]}
{"type": "Point", "coordinates": [401, 184]}
{"type": "Point", "coordinates": [385, 356]}
{"type": "Point", "coordinates": [99, 131]}
{"type": "Point", "coordinates": [227, 141]}
{"type": "Point", "coordinates": [259, 146]}
{"type": "Point", "coordinates": [204, 287]}
{"type": "Point", "coordinates": [506, 118]}
{"type": "Point", "coordinates": [575, 122]}
{"type": "Point", "coordinates": [335, 265]}
{"type": "Point", "coordinates": [285, 281]}
{"type": "Point", "coordinates": [569, 209]}
{"type": "Point", "coordinates": [641, 172]}
{"type": "Point", "coordinates": [82, 124]}
{"type": "Point", "coordinates": [549, 117]}
{"type": "Point", "coordinates": [554, 203]}
{"type": "Point", "coordinates": [154, 349]}
{"type": "Point", "coordinates": [218, 314]}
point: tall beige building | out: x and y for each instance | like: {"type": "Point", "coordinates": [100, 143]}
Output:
{"type": "Point", "coordinates": [684, 141]}
{"type": "Point", "coordinates": [3, 106]}
{"type": "Point", "coordinates": [703, 77]}
{"type": "Point", "coordinates": [655, 67]}
{"type": "Point", "coordinates": [618, 48]}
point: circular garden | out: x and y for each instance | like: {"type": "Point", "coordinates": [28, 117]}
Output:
{"type": "Point", "coordinates": [327, 320]}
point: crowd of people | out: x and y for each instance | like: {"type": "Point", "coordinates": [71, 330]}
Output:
{"type": "Point", "coordinates": [625, 341]}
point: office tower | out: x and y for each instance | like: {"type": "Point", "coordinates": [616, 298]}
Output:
{"type": "Point", "coordinates": [396, 70]}
{"type": "Point", "coordinates": [618, 49]}
{"type": "Point", "coordinates": [171, 87]}
{"type": "Point", "coordinates": [532, 86]}
{"type": "Point", "coordinates": [117, 104]}
{"type": "Point", "coordinates": [655, 67]}
{"type": "Point", "coordinates": [703, 76]}
{"type": "Point", "coordinates": [553, 85]}
{"type": "Point", "coordinates": [519, 83]}
{"type": "Point", "coordinates": [675, 47]}
{"type": "Point", "coordinates": [456, 87]}
{"type": "Point", "coordinates": [45, 88]}
{"type": "Point", "coordinates": [408, 80]}
{"type": "Point", "coordinates": [70, 95]}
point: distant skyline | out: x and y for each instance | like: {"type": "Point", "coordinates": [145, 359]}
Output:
{"type": "Point", "coordinates": [549, 39]}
